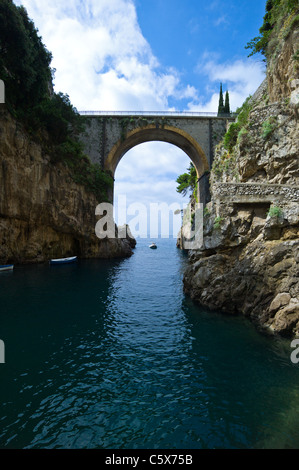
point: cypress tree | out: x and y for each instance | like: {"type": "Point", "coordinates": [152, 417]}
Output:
{"type": "Point", "coordinates": [226, 106]}
{"type": "Point", "coordinates": [221, 104]}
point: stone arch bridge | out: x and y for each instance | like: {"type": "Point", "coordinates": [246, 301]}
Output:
{"type": "Point", "coordinates": [108, 136]}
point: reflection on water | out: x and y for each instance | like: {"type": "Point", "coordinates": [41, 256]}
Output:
{"type": "Point", "coordinates": [111, 354]}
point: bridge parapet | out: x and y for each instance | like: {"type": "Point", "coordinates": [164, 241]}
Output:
{"type": "Point", "coordinates": [159, 113]}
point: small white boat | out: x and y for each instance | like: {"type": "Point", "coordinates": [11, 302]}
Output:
{"type": "Point", "coordinates": [72, 259]}
{"type": "Point", "coordinates": [153, 246]}
{"type": "Point", "coordinates": [6, 267]}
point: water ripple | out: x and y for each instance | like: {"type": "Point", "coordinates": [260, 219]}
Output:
{"type": "Point", "coordinates": [118, 358]}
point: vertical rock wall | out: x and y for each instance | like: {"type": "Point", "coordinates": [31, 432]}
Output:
{"type": "Point", "coordinates": [43, 212]}
{"type": "Point", "coordinates": [249, 262]}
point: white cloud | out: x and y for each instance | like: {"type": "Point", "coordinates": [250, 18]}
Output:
{"type": "Point", "coordinates": [222, 20]}
{"type": "Point", "coordinates": [152, 158]}
{"type": "Point", "coordinates": [101, 58]}
{"type": "Point", "coordinates": [155, 165]}
{"type": "Point", "coordinates": [241, 78]}
{"type": "Point", "coordinates": [248, 74]}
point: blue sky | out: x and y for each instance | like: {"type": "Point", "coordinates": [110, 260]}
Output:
{"type": "Point", "coordinates": [150, 55]}
{"type": "Point", "coordinates": [185, 35]}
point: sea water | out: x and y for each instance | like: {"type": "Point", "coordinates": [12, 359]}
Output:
{"type": "Point", "coordinates": [111, 354]}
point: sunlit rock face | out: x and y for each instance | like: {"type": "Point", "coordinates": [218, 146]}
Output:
{"type": "Point", "coordinates": [43, 213]}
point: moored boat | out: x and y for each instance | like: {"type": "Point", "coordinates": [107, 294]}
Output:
{"type": "Point", "coordinates": [153, 246]}
{"type": "Point", "coordinates": [71, 259]}
{"type": "Point", "coordinates": [6, 267]}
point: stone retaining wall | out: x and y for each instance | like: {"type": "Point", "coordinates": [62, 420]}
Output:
{"type": "Point", "coordinates": [255, 192]}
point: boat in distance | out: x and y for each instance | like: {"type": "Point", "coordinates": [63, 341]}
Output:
{"type": "Point", "coordinates": [153, 246]}
{"type": "Point", "coordinates": [6, 267]}
{"type": "Point", "coordinates": [71, 259]}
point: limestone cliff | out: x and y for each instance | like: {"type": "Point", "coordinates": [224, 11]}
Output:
{"type": "Point", "coordinates": [43, 212]}
{"type": "Point", "coordinates": [249, 261]}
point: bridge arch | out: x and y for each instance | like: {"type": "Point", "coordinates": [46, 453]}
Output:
{"type": "Point", "coordinates": [150, 133]}
{"type": "Point", "coordinates": [110, 135]}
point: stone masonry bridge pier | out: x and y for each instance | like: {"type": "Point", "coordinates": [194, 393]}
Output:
{"type": "Point", "coordinates": [109, 135]}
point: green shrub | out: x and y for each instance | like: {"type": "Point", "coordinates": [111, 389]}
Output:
{"type": "Point", "coordinates": [242, 133]}
{"type": "Point", "coordinates": [290, 23]}
{"type": "Point", "coordinates": [94, 178]}
{"type": "Point", "coordinates": [231, 136]}
{"type": "Point", "coordinates": [275, 211]}
{"type": "Point", "coordinates": [68, 151]}
{"type": "Point", "coordinates": [268, 127]}
{"type": "Point", "coordinates": [217, 222]}
{"type": "Point", "coordinates": [188, 182]}
{"type": "Point", "coordinates": [243, 112]}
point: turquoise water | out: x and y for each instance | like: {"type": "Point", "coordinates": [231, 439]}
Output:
{"type": "Point", "coordinates": [111, 354]}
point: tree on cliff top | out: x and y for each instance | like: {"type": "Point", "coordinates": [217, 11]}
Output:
{"type": "Point", "coordinates": [221, 103]}
{"type": "Point", "coordinates": [223, 108]}
{"type": "Point", "coordinates": [24, 60]}
{"type": "Point", "coordinates": [26, 72]}
{"type": "Point", "coordinates": [273, 26]}
{"type": "Point", "coordinates": [227, 105]}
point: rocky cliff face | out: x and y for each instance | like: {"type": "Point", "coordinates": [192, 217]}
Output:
{"type": "Point", "coordinates": [249, 261]}
{"type": "Point", "coordinates": [43, 212]}
{"type": "Point", "coordinates": [283, 67]}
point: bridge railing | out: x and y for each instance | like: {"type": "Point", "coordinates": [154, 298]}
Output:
{"type": "Point", "coordinates": [156, 113]}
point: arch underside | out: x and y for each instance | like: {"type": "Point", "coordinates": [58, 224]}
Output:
{"type": "Point", "coordinates": [166, 134]}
